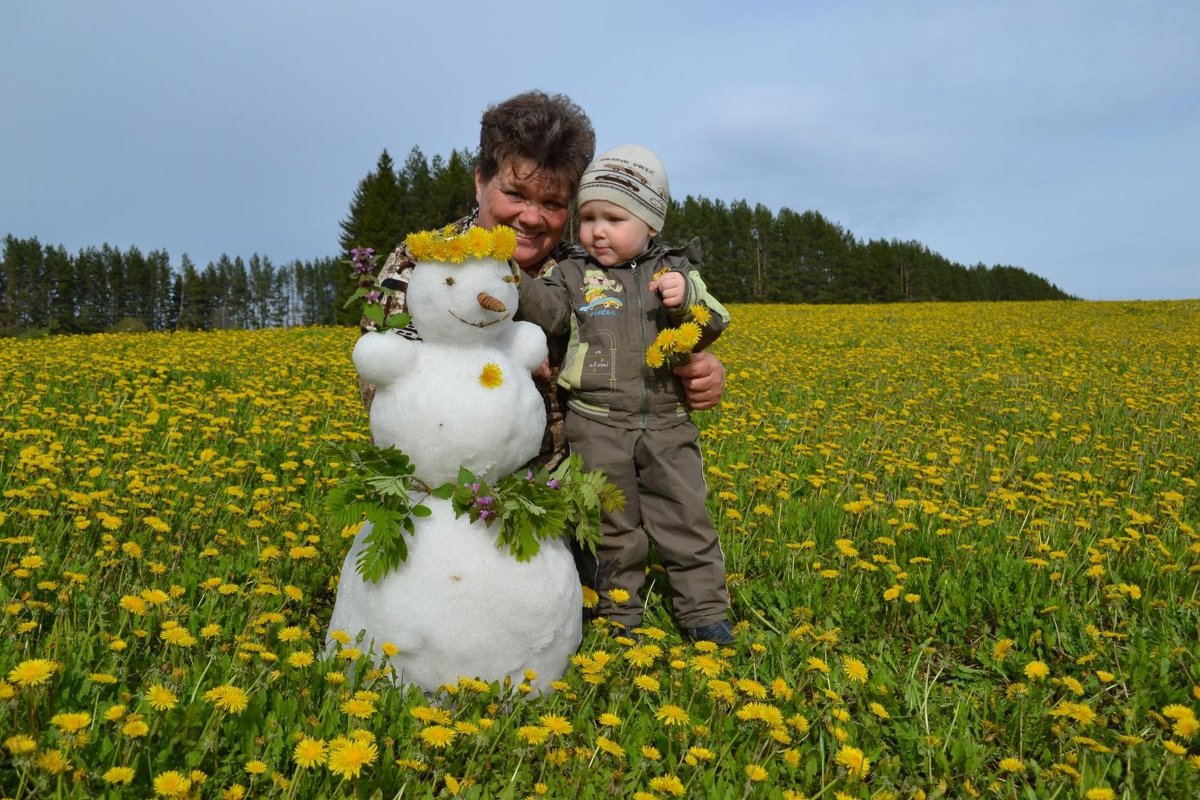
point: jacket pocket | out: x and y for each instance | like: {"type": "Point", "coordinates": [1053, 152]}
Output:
{"type": "Point", "coordinates": [596, 362]}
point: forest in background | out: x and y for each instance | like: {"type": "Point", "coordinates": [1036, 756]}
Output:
{"type": "Point", "coordinates": [751, 255]}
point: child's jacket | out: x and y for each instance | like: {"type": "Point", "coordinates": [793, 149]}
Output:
{"type": "Point", "coordinates": [613, 317]}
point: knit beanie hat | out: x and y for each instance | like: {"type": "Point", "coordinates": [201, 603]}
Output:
{"type": "Point", "coordinates": [631, 177]}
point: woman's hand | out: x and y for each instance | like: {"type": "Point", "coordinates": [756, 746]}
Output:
{"type": "Point", "coordinates": [703, 380]}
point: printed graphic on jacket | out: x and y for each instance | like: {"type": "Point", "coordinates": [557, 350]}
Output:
{"type": "Point", "coordinates": [597, 300]}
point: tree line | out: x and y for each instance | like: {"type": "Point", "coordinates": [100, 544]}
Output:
{"type": "Point", "coordinates": [44, 288]}
{"type": "Point", "coordinates": [751, 254]}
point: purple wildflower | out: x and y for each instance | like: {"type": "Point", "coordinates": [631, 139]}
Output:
{"type": "Point", "coordinates": [552, 483]}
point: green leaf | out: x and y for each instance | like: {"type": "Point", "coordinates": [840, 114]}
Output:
{"type": "Point", "coordinates": [374, 313]}
{"type": "Point", "coordinates": [397, 320]}
{"type": "Point", "coordinates": [359, 293]}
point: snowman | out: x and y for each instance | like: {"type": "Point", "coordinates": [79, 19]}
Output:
{"type": "Point", "coordinates": [458, 605]}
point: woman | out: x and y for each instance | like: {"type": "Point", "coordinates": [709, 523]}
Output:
{"type": "Point", "coordinates": [533, 149]}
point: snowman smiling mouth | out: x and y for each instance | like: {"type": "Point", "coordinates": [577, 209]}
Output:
{"type": "Point", "coordinates": [480, 323]}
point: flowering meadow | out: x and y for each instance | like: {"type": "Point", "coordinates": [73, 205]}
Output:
{"type": "Point", "coordinates": [962, 543]}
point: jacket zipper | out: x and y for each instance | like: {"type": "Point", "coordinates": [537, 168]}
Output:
{"type": "Point", "coordinates": [645, 406]}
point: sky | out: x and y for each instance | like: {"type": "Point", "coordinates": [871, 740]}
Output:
{"type": "Point", "coordinates": [1060, 137]}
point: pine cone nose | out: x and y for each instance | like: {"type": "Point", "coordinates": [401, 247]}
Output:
{"type": "Point", "coordinates": [491, 303]}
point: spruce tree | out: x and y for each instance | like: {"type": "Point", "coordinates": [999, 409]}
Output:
{"type": "Point", "coordinates": [376, 216]}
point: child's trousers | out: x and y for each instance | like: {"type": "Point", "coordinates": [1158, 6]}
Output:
{"type": "Point", "coordinates": [661, 474]}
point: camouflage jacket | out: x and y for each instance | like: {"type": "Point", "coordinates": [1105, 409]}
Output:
{"type": "Point", "coordinates": [394, 275]}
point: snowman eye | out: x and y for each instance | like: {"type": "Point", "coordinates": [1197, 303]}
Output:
{"type": "Point", "coordinates": [449, 281]}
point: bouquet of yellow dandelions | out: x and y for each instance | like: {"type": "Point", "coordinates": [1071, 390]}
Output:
{"type": "Point", "coordinates": [674, 346]}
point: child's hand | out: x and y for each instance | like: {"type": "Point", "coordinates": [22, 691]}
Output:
{"type": "Point", "coordinates": [672, 286]}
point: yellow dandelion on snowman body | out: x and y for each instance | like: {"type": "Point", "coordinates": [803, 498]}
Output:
{"type": "Point", "coordinates": [491, 376]}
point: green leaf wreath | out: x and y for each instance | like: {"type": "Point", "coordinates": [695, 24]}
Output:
{"type": "Point", "coordinates": [525, 508]}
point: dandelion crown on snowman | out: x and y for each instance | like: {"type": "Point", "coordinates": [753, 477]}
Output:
{"type": "Point", "coordinates": [462, 568]}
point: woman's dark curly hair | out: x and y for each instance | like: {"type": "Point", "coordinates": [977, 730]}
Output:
{"type": "Point", "coordinates": [549, 130]}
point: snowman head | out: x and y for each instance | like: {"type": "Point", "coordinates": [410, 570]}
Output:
{"type": "Point", "coordinates": [462, 288]}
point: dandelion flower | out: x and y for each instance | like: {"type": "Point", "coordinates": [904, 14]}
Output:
{"type": "Point", "coordinates": [533, 734]}
{"type": "Point", "coordinates": [669, 784]}
{"type": "Point", "coordinates": [135, 727]}
{"type": "Point", "coordinates": [428, 714]}
{"type": "Point", "coordinates": [71, 722]}
{"type": "Point", "coordinates": [228, 698]}
{"type": "Point", "coordinates": [555, 724]}
{"type": "Point", "coordinates": [161, 698]}
{"type": "Point", "coordinates": [618, 596]}
{"type": "Point", "coordinates": [756, 773]}
{"type": "Point", "coordinates": [1174, 748]}
{"type": "Point", "coordinates": [360, 709]}
{"type": "Point", "coordinates": [20, 744]}
{"type": "Point", "coordinates": [670, 714]}
{"type": "Point", "coordinates": [646, 684]}
{"type": "Point", "coordinates": [309, 752]}
{"type": "Point", "coordinates": [687, 337]}
{"type": "Point", "coordinates": [118, 775]}
{"type": "Point", "coordinates": [300, 659]}
{"type": "Point", "coordinates": [855, 669]}
{"type": "Point", "coordinates": [255, 767]}
{"type": "Point", "coordinates": [171, 784]}
{"type": "Point", "coordinates": [438, 735]}
{"type": "Point", "coordinates": [1100, 793]}
{"type": "Point", "coordinates": [610, 747]}
{"type": "Point", "coordinates": [491, 376]}
{"type": "Point", "coordinates": [180, 637]}
{"type": "Point", "coordinates": [348, 757]}
{"type": "Point", "coordinates": [1036, 670]}
{"type": "Point", "coordinates": [609, 720]}
{"type": "Point", "coordinates": [1002, 648]}
{"type": "Point", "coordinates": [33, 672]}
{"type": "Point", "coordinates": [1012, 765]}
{"type": "Point", "coordinates": [856, 764]}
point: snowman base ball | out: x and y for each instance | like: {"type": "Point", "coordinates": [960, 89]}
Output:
{"type": "Point", "coordinates": [459, 606]}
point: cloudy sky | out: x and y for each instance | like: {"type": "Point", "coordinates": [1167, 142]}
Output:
{"type": "Point", "coordinates": [1061, 137]}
